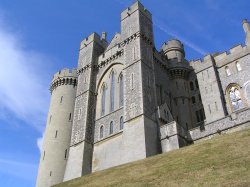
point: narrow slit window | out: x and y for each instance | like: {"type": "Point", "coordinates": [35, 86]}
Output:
{"type": "Point", "coordinates": [193, 100]}
{"type": "Point", "coordinates": [103, 100]}
{"type": "Point", "coordinates": [191, 86]}
{"type": "Point", "coordinates": [132, 81]}
{"type": "Point", "coordinates": [61, 100]}
{"type": "Point", "coordinates": [121, 91]}
{"type": "Point", "coordinates": [112, 92]}
{"type": "Point", "coordinates": [238, 66]}
{"type": "Point", "coordinates": [56, 134]}
{"type": "Point", "coordinates": [70, 116]}
{"type": "Point", "coordinates": [101, 132]}
{"type": "Point", "coordinates": [65, 154]}
{"type": "Point", "coordinates": [43, 155]}
{"type": "Point", "coordinates": [111, 128]}
{"type": "Point", "coordinates": [121, 123]}
{"type": "Point", "coordinates": [134, 53]}
{"type": "Point", "coordinates": [228, 72]}
{"type": "Point", "coordinates": [50, 118]}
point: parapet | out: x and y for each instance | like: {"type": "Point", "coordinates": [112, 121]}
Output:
{"type": "Point", "coordinates": [200, 65]}
{"type": "Point", "coordinates": [174, 49]}
{"type": "Point", "coordinates": [136, 6]}
{"type": "Point", "coordinates": [173, 44]}
{"type": "Point", "coordinates": [65, 73]}
{"type": "Point", "coordinates": [94, 37]}
{"type": "Point", "coordinates": [64, 77]}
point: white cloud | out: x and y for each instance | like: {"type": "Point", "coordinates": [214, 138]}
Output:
{"type": "Point", "coordinates": [40, 143]}
{"type": "Point", "coordinates": [23, 80]}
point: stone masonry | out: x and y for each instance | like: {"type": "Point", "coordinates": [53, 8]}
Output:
{"type": "Point", "coordinates": [127, 101]}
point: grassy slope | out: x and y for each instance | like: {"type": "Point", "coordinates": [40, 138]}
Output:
{"type": "Point", "coordinates": [222, 161]}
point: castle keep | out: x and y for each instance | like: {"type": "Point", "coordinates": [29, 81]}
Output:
{"type": "Point", "coordinates": [127, 101]}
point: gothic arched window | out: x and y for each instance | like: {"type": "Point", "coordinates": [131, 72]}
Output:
{"type": "Point", "coordinates": [112, 91]}
{"type": "Point", "coordinates": [196, 84]}
{"type": "Point", "coordinates": [235, 98]}
{"type": "Point", "coordinates": [101, 132]}
{"type": "Point", "coordinates": [121, 91]}
{"type": "Point", "coordinates": [238, 66]}
{"type": "Point", "coordinates": [191, 85]}
{"type": "Point", "coordinates": [111, 128]}
{"type": "Point", "coordinates": [121, 123]}
{"type": "Point", "coordinates": [103, 100]}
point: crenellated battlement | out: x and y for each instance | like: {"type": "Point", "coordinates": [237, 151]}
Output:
{"type": "Point", "coordinates": [173, 43]}
{"type": "Point", "coordinates": [220, 59]}
{"type": "Point", "coordinates": [64, 77]}
{"type": "Point", "coordinates": [136, 6]}
{"type": "Point", "coordinates": [94, 37]}
{"type": "Point", "coordinates": [200, 65]}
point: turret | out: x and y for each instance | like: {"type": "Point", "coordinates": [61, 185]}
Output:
{"type": "Point", "coordinates": [57, 135]}
{"type": "Point", "coordinates": [246, 27]}
{"type": "Point", "coordinates": [173, 49]}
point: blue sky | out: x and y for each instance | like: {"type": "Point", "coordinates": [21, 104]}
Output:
{"type": "Point", "coordinates": [38, 38]}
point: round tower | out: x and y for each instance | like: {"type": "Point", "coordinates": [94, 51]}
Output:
{"type": "Point", "coordinates": [57, 135]}
{"type": "Point", "coordinates": [174, 49]}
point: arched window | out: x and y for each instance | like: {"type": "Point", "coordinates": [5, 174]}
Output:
{"type": "Point", "coordinates": [228, 72]}
{"type": "Point", "coordinates": [193, 99]}
{"type": "Point", "coordinates": [111, 128]}
{"type": "Point", "coordinates": [238, 66]}
{"type": "Point", "coordinates": [235, 98]}
{"type": "Point", "coordinates": [191, 85]}
{"type": "Point", "coordinates": [101, 132]}
{"type": "Point", "coordinates": [112, 91]}
{"type": "Point", "coordinates": [121, 123]}
{"type": "Point", "coordinates": [196, 84]}
{"type": "Point", "coordinates": [121, 91]}
{"type": "Point", "coordinates": [103, 100]}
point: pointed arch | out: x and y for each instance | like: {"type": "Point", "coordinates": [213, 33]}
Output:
{"type": "Point", "coordinates": [103, 99]}
{"type": "Point", "coordinates": [112, 91]}
{"type": "Point", "coordinates": [121, 90]}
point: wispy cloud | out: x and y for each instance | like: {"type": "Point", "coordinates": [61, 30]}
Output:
{"type": "Point", "coordinates": [23, 80]}
{"type": "Point", "coordinates": [40, 143]}
{"type": "Point", "coordinates": [175, 35]}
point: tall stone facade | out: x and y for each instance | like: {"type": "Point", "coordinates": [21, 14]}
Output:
{"type": "Point", "coordinates": [132, 101]}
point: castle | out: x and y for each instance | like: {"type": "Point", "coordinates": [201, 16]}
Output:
{"type": "Point", "coordinates": [127, 101]}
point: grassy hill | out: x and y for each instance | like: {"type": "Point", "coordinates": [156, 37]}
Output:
{"type": "Point", "coordinates": [221, 161]}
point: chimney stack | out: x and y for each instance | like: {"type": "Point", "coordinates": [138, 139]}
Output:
{"type": "Point", "coordinates": [104, 36]}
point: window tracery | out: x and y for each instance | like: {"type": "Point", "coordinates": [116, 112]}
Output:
{"type": "Point", "coordinates": [235, 98]}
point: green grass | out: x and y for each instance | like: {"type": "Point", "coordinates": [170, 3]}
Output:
{"type": "Point", "coordinates": [221, 161]}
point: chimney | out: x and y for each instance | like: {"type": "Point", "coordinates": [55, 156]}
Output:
{"type": "Point", "coordinates": [104, 35]}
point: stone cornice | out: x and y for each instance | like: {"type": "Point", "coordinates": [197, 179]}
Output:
{"type": "Point", "coordinates": [63, 81]}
